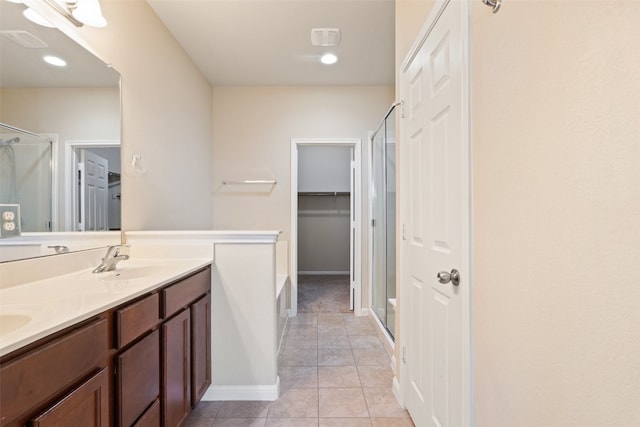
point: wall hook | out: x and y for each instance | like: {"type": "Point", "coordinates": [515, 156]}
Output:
{"type": "Point", "coordinates": [495, 4]}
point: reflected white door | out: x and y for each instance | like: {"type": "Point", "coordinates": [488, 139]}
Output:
{"type": "Point", "coordinates": [94, 192]}
{"type": "Point", "coordinates": [436, 219]}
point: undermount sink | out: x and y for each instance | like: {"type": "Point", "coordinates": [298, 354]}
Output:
{"type": "Point", "coordinates": [12, 322]}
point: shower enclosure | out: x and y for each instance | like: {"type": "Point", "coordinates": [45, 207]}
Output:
{"type": "Point", "coordinates": [383, 210]}
{"type": "Point", "coordinates": [26, 177]}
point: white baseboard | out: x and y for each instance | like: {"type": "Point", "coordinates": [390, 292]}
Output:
{"type": "Point", "coordinates": [395, 387]}
{"type": "Point", "coordinates": [243, 392]}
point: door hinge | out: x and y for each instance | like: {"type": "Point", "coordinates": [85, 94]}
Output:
{"type": "Point", "coordinates": [403, 230]}
{"type": "Point", "coordinates": [373, 222]}
{"type": "Point", "coordinates": [404, 354]}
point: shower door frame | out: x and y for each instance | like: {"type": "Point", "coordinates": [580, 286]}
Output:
{"type": "Point", "coordinates": [356, 215]}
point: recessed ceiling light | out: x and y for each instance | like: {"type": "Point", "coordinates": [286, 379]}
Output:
{"type": "Point", "coordinates": [328, 59]}
{"type": "Point", "coordinates": [54, 60]}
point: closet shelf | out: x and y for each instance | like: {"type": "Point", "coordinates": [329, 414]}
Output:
{"type": "Point", "coordinates": [323, 193]}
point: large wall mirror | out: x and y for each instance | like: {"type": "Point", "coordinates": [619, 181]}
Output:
{"type": "Point", "coordinates": [76, 110]}
{"type": "Point", "coordinates": [76, 107]}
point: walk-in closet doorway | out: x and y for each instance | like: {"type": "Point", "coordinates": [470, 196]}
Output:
{"type": "Point", "coordinates": [325, 224]}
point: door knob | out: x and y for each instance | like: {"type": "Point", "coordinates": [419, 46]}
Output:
{"type": "Point", "coordinates": [453, 277]}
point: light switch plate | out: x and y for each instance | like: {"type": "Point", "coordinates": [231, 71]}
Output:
{"type": "Point", "coordinates": [9, 220]}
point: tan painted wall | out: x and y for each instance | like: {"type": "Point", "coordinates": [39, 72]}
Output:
{"type": "Point", "coordinates": [410, 15]}
{"type": "Point", "coordinates": [166, 107]}
{"type": "Point", "coordinates": [556, 214]}
{"type": "Point", "coordinates": [253, 127]}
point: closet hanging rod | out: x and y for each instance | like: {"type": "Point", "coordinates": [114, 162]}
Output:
{"type": "Point", "coordinates": [251, 181]}
{"type": "Point", "coordinates": [324, 193]}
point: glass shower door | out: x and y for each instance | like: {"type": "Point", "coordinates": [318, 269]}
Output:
{"type": "Point", "coordinates": [379, 268]}
{"type": "Point", "coordinates": [383, 199]}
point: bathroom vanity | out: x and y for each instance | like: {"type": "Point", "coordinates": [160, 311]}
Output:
{"type": "Point", "coordinates": [129, 348]}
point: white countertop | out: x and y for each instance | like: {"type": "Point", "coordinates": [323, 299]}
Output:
{"type": "Point", "coordinates": [55, 303]}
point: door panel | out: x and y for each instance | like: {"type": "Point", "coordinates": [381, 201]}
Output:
{"type": "Point", "coordinates": [436, 221]}
{"type": "Point", "coordinates": [94, 192]}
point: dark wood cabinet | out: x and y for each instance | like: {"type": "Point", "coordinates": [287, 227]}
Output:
{"type": "Point", "coordinates": [151, 417]}
{"type": "Point", "coordinates": [86, 406]}
{"type": "Point", "coordinates": [145, 363]}
{"type": "Point", "coordinates": [138, 379]}
{"type": "Point", "coordinates": [176, 369]}
{"type": "Point", "coordinates": [136, 318]}
{"type": "Point", "coordinates": [200, 348]}
{"type": "Point", "coordinates": [45, 374]}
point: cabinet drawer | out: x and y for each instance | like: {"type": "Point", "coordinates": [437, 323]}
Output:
{"type": "Point", "coordinates": [151, 417]}
{"type": "Point", "coordinates": [183, 293]}
{"type": "Point", "coordinates": [138, 378]}
{"type": "Point", "coordinates": [135, 319]}
{"type": "Point", "coordinates": [87, 406]}
{"type": "Point", "coordinates": [38, 376]}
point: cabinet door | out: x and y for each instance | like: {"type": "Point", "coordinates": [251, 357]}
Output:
{"type": "Point", "coordinates": [38, 377]}
{"type": "Point", "coordinates": [176, 369]}
{"type": "Point", "coordinates": [151, 417]}
{"type": "Point", "coordinates": [138, 378]}
{"type": "Point", "coordinates": [85, 406]}
{"type": "Point", "coordinates": [200, 348]}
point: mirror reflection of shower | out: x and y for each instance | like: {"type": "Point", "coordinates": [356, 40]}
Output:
{"type": "Point", "coordinates": [25, 171]}
{"type": "Point", "coordinates": [8, 192]}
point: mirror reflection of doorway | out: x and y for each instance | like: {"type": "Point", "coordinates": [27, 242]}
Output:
{"type": "Point", "coordinates": [96, 187]}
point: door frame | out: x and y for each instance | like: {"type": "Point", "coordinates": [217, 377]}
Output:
{"type": "Point", "coordinates": [70, 177]}
{"type": "Point", "coordinates": [400, 386]}
{"type": "Point", "coordinates": [356, 245]}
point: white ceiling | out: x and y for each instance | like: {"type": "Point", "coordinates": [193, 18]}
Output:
{"type": "Point", "coordinates": [268, 42]}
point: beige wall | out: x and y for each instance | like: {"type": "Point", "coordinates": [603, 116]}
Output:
{"type": "Point", "coordinates": [166, 107]}
{"type": "Point", "coordinates": [556, 214]}
{"type": "Point", "coordinates": [253, 127]}
{"type": "Point", "coordinates": [410, 16]}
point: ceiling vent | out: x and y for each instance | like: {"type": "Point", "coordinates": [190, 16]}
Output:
{"type": "Point", "coordinates": [325, 36]}
{"type": "Point", "coordinates": [24, 39]}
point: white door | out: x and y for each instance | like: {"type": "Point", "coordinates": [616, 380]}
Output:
{"type": "Point", "coordinates": [436, 221]}
{"type": "Point", "coordinates": [94, 192]}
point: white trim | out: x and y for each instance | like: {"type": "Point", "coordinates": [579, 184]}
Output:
{"type": "Point", "coordinates": [55, 191]}
{"type": "Point", "coordinates": [70, 162]}
{"type": "Point", "coordinates": [356, 143]}
{"type": "Point", "coordinates": [397, 391]}
{"type": "Point", "coordinates": [243, 392]}
{"type": "Point", "coordinates": [200, 236]}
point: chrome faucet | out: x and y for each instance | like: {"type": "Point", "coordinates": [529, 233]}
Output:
{"type": "Point", "coordinates": [114, 255]}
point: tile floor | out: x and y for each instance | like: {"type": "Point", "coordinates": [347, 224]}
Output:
{"type": "Point", "coordinates": [334, 371]}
